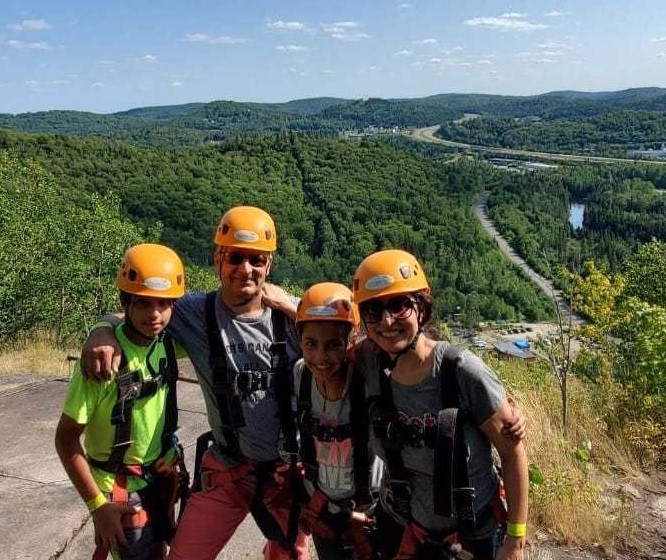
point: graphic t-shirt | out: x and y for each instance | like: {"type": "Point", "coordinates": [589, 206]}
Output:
{"type": "Point", "coordinates": [480, 395]}
{"type": "Point", "coordinates": [91, 403]}
{"type": "Point", "coordinates": [247, 341]}
{"type": "Point", "coordinates": [334, 459]}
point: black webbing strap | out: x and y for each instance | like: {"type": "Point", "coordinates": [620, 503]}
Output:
{"type": "Point", "coordinates": [398, 474]}
{"type": "Point", "coordinates": [170, 377]}
{"type": "Point", "coordinates": [121, 416]}
{"type": "Point", "coordinates": [359, 422]}
{"type": "Point", "coordinates": [453, 494]}
{"type": "Point", "coordinates": [228, 402]}
{"type": "Point", "coordinates": [130, 387]}
{"type": "Point", "coordinates": [282, 386]}
{"type": "Point", "coordinates": [305, 421]}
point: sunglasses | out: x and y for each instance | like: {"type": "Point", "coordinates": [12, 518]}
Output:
{"type": "Point", "coordinates": [235, 258]}
{"type": "Point", "coordinates": [398, 307]}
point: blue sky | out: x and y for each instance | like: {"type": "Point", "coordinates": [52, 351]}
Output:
{"type": "Point", "coordinates": [118, 54]}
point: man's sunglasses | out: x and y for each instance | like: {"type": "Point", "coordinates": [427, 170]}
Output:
{"type": "Point", "coordinates": [235, 258]}
{"type": "Point", "coordinates": [398, 307]}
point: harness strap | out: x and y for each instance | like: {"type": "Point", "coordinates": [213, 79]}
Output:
{"type": "Point", "coordinates": [229, 406]}
{"type": "Point", "coordinates": [228, 401]}
{"type": "Point", "coordinates": [453, 493]}
{"type": "Point", "coordinates": [311, 429]}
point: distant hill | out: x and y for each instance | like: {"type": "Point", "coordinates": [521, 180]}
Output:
{"type": "Point", "coordinates": [200, 123]}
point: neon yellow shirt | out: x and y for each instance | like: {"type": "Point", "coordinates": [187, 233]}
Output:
{"type": "Point", "coordinates": [91, 403]}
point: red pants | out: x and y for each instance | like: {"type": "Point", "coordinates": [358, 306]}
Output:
{"type": "Point", "coordinates": [211, 517]}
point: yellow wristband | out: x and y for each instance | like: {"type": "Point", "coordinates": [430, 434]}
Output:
{"type": "Point", "coordinates": [96, 503]}
{"type": "Point", "coordinates": [102, 325]}
{"type": "Point", "coordinates": [516, 529]}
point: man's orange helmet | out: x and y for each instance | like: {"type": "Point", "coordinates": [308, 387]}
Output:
{"type": "Point", "coordinates": [386, 273]}
{"type": "Point", "coordinates": [151, 270]}
{"type": "Point", "coordinates": [247, 227]}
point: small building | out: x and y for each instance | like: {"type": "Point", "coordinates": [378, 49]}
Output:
{"type": "Point", "coordinates": [506, 350]}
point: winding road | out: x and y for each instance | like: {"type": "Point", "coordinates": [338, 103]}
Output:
{"type": "Point", "coordinates": [427, 135]}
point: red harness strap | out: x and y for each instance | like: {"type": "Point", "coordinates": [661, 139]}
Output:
{"type": "Point", "coordinates": [120, 495]}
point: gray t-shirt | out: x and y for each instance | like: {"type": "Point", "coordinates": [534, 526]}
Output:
{"type": "Point", "coordinates": [480, 396]}
{"type": "Point", "coordinates": [247, 342]}
{"type": "Point", "coordinates": [335, 459]}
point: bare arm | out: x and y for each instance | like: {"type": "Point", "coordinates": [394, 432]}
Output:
{"type": "Point", "coordinates": [106, 518]}
{"type": "Point", "coordinates": [517, 428]}
{"type": "Point", "coordinates": [276, 298]}
{"type": "Point", "coordinates": [514, 469]}
{"type": "Point", "coordinates": [100, 355]}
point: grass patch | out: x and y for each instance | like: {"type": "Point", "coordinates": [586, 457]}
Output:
{"type": "Point", "coordinates": [36, 354]}
{"type": "Point", "coordinates": [572, 496]}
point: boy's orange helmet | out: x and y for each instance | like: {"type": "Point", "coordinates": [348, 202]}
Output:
{"type": "Point", "coordinates": [386, 273]}
{"type": "Point", "coordinates": [247, 227]}
{"type": "Point", "coordinates": [328, 301]}
{"type": "Point", "coordinates": [151, 270]}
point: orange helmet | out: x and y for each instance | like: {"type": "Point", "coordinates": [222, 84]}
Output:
{"type": "Point", "coordinates": [247, 227]}
{"type": "Point", "coordinates": [327, 301]}
{"type": "Point", "coordinates": [388, 272]}
{"type": "Point", "coordinates": [151, 270]}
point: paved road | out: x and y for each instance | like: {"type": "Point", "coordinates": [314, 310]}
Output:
{"type": "Point", "coordinates": [42, 517]}
{"type": "Point", "coordinates": [543, 283]}
{"type": "Point", "coordinates": [428, 134]}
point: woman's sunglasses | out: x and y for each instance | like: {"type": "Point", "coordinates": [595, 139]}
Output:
{"type": "Point", "coordinates": [398, 307]}
{"type": "Point", "coordinates": [235, 258]}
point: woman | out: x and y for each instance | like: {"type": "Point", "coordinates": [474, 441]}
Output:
{"type": "Point", "coordinates": [410, 379]}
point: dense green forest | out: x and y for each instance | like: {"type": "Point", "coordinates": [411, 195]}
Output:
{"type": "Point", "coordinates": [334, 201]}
{"type": "Point", "coordinates": [625, 206]}
{"type": "Point", "coordinates": [610, 134]}
{"type": "Point", "coordinates": [600, 123]}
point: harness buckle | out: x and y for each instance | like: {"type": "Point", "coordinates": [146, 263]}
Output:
{"type": "Point", "coordinates": [207, 481]}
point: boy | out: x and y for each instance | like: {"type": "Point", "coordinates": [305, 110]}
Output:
{"type": "Point", "coordinates": [125, 474]}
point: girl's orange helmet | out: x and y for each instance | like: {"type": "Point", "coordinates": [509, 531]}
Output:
{"type": "Point", "coordinates": [151, 270]}
{"type": "Point", "coordinates": [386, 273]}
{"type": "Point", "coordinates": [328, 301]}
{"type": "Point", "coordinates": [247, 227]}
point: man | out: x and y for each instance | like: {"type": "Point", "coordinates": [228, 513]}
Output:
{"type": "Point", "coordinates": [239, 347]}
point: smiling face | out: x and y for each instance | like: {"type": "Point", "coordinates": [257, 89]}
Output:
{"type": "Point", "coordinates": [324, 347]}
{"type": "Point", "coordinates": [242, 273]}
{"type": "Point", "coordinates": [392, 322]}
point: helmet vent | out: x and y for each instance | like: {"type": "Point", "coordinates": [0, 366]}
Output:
{"type": "Point", "coordinates": [132, 275]}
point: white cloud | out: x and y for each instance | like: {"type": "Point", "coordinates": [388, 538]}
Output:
{"type": "Point", "coordinates": [403, 52]}
{"type": "Point", "coordinates": [219, 40]}
{"type": "Point", "coordinates": [290, 48]}
{"type": "Point", "coordinates": [31, 25]}
{"type": "Point", "coordinates": [98, 85]}
{"type": "Point", "coordinates": [329, 72]}
{"type": "Point", "coordinates": [555, 13]}
{"type": "Point", "coordinates": [658, 40]}
{"type": "Point", "coordinates": [23, 45]}
{"type": "Point", "coordinates": [148, 58]}
{"type": "Point", "coordinates": [176, 84]}
{"type": "Point", "coordinates": [429, 41]}
{"type": "Point", "coordinates": [405, 6]}
{"type": "Point", "coordinates": [344, 31]}
{"type": "Point", "coordinates": [512, 15]}
{"type": "Point", "coordinates": [285, 25]}
{"type": "Point", "coordinates": [506, 22]}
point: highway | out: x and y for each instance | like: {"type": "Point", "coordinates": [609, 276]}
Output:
{"type": "Point", "coordinates": [428, 134]}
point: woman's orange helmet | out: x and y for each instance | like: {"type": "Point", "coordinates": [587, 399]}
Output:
{"type": "Point", "coordinates": [247, 227]}
{"type": "Point", "coordinates": [386, 273]}
{"type": "Point", "coordinates": [151, 270]}
{"type": "Point", "coordinates": [328, 301]}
